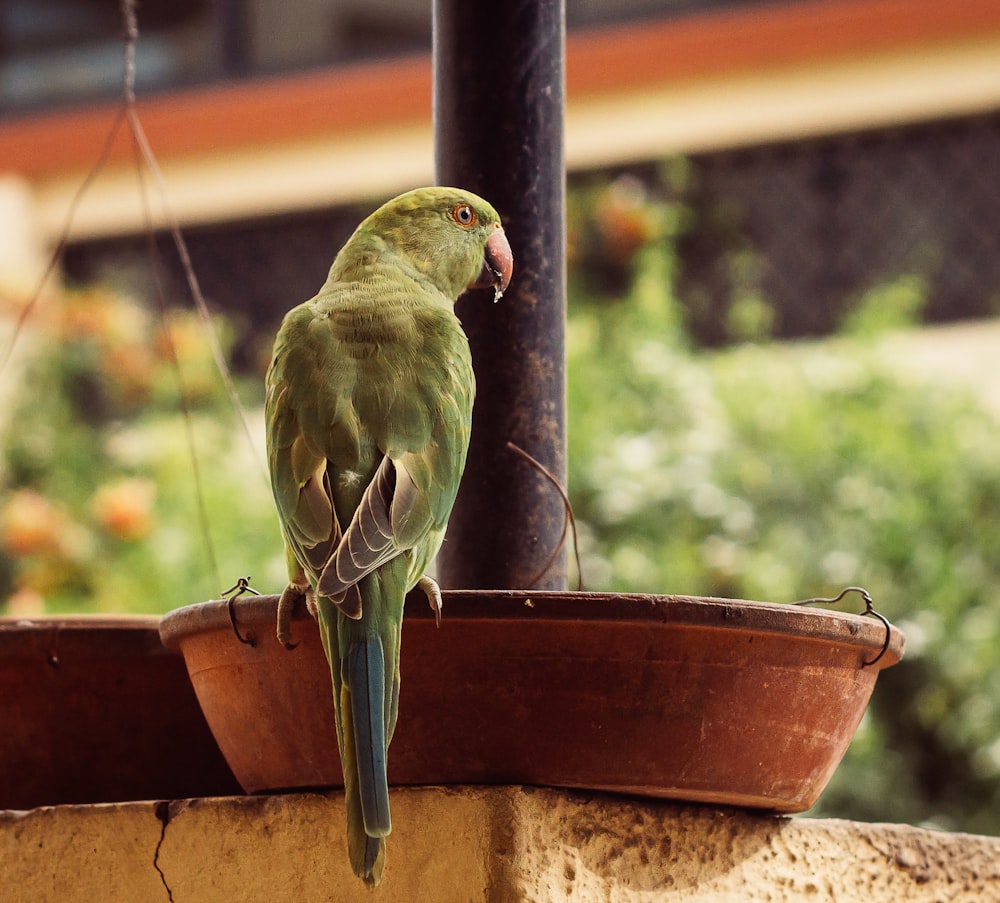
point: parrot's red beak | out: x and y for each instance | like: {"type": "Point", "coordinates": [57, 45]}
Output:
{"type": "Point", "coordinates": [498, 264]}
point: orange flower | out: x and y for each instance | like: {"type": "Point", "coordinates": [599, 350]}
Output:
{"type": "Point", "coordinates": [31, 525]}
{"type": "Point", "coordinates": [129, 368]}
{"type": "Point", "coordinates": [124, 508]}
{"type": "Point", "coordinates": [104, 316]}
{"type": "Point", "coordinates": [624, 219]}
{"type": "Point", "coordinates": [25, 602]}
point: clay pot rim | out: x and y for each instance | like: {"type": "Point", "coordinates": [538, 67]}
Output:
{"type": "Point", "coordinates": [15, 632]}
{"type": "Point", "coordinates": [83, 621]}
{"type": "Point", "coordinates": [85, 635]}
{"type": "Point", "coordinates": [704, 612]}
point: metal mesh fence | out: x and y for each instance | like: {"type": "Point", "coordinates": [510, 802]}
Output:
{"type": "Point", "coordinates": [812, 225]}
{"type": "Point", "coordinates": [806, 226]}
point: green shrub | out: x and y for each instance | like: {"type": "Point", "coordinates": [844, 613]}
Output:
{"type": "Point", "coordinates": [779, 472]}
{"type": "Point", "coordinates": [99, 510]}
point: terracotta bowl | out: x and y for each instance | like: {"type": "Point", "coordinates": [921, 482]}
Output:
{"type": "Point", "coordinates": [710, 700]}
{"type": "Point", "coordinates": [95, 710]}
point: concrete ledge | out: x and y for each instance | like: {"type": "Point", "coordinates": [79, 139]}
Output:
{"type": "Point", "coordinates": [480, 844]}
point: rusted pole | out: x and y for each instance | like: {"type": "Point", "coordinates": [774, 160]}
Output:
{"type": "Point", "coordinates": [498, 126]}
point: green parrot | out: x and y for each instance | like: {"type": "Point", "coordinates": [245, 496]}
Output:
{"type": "Point", "coordinates": [368, 414]}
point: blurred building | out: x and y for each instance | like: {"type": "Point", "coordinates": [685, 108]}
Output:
{"type": "Point", "coordinates": [841, 141]}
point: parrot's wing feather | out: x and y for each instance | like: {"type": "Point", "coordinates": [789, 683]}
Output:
{"type": "Point", "coordinates": [309, 426]}
{"type": "Point", "coordinates": [407, 501]}
{"type": "Point", "coordinates": [368, 541]}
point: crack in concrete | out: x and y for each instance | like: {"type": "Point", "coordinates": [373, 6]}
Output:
{"type": "Point", "coordinates": [165, 811]}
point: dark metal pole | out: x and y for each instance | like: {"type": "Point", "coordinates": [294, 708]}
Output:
{"type": "Point", "coordinates": [498, 125]}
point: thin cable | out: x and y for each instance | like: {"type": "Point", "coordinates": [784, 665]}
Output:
{"type": "Point", "coordinates": [28, 309]}
{"type": "Point", "coordinates": [569, 518]}
{"type": "Point", "coordinates": [182, 391]}
{"type": "Point", "coordinates": [149, 158]}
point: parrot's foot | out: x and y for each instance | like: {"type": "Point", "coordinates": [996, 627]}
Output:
{"type": "Point", "coordinates": [433, 593]}
{"type": "Point", "coordinates": [291, 596]}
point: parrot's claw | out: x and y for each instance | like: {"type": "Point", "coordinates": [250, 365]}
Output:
{"type": "Point", "coordinates": [290, 598]}
{"type": "Point", "coordinates": [433, 592]}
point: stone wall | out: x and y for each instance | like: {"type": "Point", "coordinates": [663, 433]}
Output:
{"type": "Point", "coordinates": [494, 844]}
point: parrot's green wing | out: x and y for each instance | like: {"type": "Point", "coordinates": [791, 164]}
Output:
{"type": "Point", "coordinates": [368, 413]}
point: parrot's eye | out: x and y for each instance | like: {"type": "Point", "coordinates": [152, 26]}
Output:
{"type": "Point", "coordinates": [464, 215]}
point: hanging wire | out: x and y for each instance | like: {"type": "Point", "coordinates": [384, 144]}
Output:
{"type": "Point", "coordinates": [127, 113]}
{"type": "Point", "coordinates": [569, 518]}
{"type": "Point", "coordinates": [141, 143]}
{"type": "Point", "coordinates": [29, 308]}
{"type": "Point", "coordinates": [182, 391]}
{"type": "Point", "coordinates": [149, 158]}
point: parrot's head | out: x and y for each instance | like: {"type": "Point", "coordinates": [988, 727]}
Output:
{"type": "Point", "coordinates": [452, 235]}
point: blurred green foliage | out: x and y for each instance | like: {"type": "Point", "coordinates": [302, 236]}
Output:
{"type": "Point", "coordinates": [778, 472]}
{"type": "Point", "coordinates": [100, 508]}
{"type": "Point", "coordinates": [764, 471]}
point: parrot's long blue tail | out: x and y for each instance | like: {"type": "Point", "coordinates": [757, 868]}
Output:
{"type": "Point", "coordinates": [364, 666]}
{"type": "Point", "coordinates": [366, 677]}
{"type": "Point", "coordinates": [364, 740]}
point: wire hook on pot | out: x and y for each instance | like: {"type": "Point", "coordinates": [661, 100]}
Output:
{"type": "Point", "coordinates": [241, 586]}
{"type": "Point", "coordinates": [869, 610]}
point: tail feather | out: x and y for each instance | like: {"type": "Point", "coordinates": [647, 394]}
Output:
{"type": "Point", "coordinates": [366, 853]}
{"type": "Point", "coordinates": [364, 665]}
{"type": "Point", "coordinates": [366, 677]}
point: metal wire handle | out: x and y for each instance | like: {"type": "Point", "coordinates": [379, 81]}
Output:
{"type": "Point", "coordinates": [869, 610]}
{"type": "Point", "coordinates": [241, 587]}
